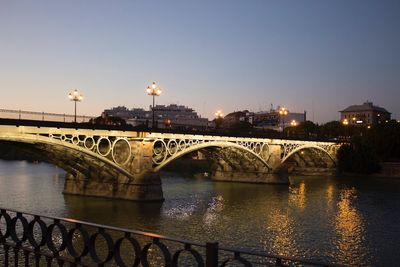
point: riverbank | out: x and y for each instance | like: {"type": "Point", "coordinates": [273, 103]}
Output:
{"type": "Point", "coordinates": [389, 169]}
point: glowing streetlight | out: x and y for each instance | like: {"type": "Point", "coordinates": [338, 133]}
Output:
{"type": "Point", "coordinates": [283, 112]}
{"type": "Point", "coordinates": [153, 90]}
{"type": "Point", "coordinates": [219, 114]}
{"type": "Point", "coordinates": [345, 122]}
{"type": "Point", "coordinates": [75, 96]}
{"type": "Point", "coordinates": [218, 118]}
{"type": "Point", "coordinates": [293, 123]}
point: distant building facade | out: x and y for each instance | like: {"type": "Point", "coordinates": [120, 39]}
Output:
{"type": "Point", "coordinates": [365, 114]}
{"type": "Point", "coordinates": [171, 116]}
{"type": "Point", "coordinates": [264, 119]}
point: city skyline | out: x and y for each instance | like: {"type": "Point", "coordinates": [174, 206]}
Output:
{"type": "Point", "coordinates": [230, 56]}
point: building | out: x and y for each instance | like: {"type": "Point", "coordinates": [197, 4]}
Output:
{"type": "Point", "coordinates": [273, 120]}
{"type": "Point", "coordinates": [236, 117]}
{"type": "Point", "coordinates": [264, 119]}
{"type": "Point", "coordinates": [365, 114]}
{"type": "Point", "coordinates": [171, 116]}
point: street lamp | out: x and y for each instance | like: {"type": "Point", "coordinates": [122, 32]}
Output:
{"type": "Point", "coordinates": [219, 114]}
{"type": "Point", "coordinates": [75, 96]}
{"type": "Point", "coordinates": [345, 122]}
{"type": "Point", "coordinates": [153, 90]}
{"type": "Point", "coordinates": [283, 112]}
{"type": "Point", "coordinates": [218, 118]}
{"type": "Point", "coordinates": [293, 123]}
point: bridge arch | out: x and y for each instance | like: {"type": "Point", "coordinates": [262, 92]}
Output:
{"type": "Point", "coordinates": [48, 141]}
{"type": "Point", "coordinates": [306, 146]}
{"type": "Point", "coordinates": [202, 145]}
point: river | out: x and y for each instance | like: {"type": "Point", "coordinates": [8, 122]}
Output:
{"type": "Point", "coordinates": [346, 220]}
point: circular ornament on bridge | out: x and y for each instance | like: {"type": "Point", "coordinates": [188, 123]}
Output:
{"type": "Point", "coordinates": [159, 151]}
{"type": "Point", "coordinates": [75, 140]}
{"type": "Point", "coordinates": [103, 146]}
{"type": "Point", "coordinates": [89, 142]}
{"type": "Point", "coordinates": [121, 151]}
{"type": "Point", "coordinates": [251, 145]}
{"type": "Point", "coordinates": [257, 148]}
{"type": "Point", "coordinates": [63, 137]}
{"type": "Point", "coordinates": [264, 150]}
{"type": "Point", "coordinates": [189, 143]}
{"type": "Point", "coordinates": [172, 146]}
{"type": "Point", "coordinates": [182, 144]}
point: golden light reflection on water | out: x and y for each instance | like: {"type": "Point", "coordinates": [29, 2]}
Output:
{"type": "Point", "coordinates": [349, 227]}
{"type": "Point", "coordinates": [297, 195]}
{"type": "Point", "coordinates": [281, 229]}
{"type": "Point", "coordinates": [329, 195]}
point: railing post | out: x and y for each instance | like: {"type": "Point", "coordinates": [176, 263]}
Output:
{"type": "Point", "coordinates": [212, 254]}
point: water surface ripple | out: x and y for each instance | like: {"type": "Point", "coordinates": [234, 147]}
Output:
{"type": "Point", "coordinates": [352, 221]}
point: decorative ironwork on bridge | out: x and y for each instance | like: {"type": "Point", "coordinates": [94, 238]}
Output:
{"type": "Point", "coordinates": [118, 149]}
{"type": "Point", "coordinates": [167, 149]}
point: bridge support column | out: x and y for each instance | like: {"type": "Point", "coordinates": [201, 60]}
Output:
{"type": "Point", "coordinates": [102, 181]}
{"type": "Point", "coordinates": [145, 186]}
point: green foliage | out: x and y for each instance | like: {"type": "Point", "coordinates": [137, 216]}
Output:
{"type": "Point", "coordinates": [359, 157]}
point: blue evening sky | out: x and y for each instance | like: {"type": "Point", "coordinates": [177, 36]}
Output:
{"type": "Point", "coordinates": [319, 56]}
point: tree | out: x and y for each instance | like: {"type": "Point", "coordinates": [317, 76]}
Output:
{"type": "Point", "coordinates": [359, 157]}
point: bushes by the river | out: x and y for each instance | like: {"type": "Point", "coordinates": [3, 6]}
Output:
{"type": "Point", "coordinates": [359, 157]}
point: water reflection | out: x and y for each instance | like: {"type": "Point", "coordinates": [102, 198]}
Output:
{"type": "Point", "coordinates": [349, 228]}
{"type": "Point", "coordinates": [281, 231]}
{"type": "Point", "coordinates": [342, 220]}
{"type": "Point", "coordinates": [297, 195]}
{"type": "Point", "coordinates": [329, 195]}
{"type": "Point", "coordinates": [215, 207]}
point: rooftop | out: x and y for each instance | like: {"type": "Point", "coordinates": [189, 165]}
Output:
{"type": "Point", "coordinates": [367, 106]}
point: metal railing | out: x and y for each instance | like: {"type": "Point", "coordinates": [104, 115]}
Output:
{"type": "Point", "coordinates": [34, 240]}
{"type": "Point", "coordinates": [41, 116]}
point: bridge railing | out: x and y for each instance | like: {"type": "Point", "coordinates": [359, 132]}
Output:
{"type": "Point", "coordinates": [34, 240]}
{"type": "Point", "coordinates": [41, 116]}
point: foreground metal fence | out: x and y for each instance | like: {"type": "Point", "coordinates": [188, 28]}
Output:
{"type": "Point", "coordinates": [41, 116]}
{"type": "Point", "coordinates": [34, 240]}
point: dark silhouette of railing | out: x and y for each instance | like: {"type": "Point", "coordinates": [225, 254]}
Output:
{"type": "Point", "coordinates": [41, 116]}
{"type": "Point", "coordinates": [34, 240]}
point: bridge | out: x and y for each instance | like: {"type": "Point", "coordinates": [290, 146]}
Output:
{"type": "Point", "coordinates": [126, 164]}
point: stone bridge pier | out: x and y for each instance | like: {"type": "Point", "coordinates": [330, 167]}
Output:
{"type": "Point", "coordinates": [142, 183]}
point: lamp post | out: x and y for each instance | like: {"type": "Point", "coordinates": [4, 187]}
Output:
{"type": "Point", "coordinates": [345, 122]}
{"type": "Point", "coordinates": [283, 112]}
{"type": "Point", "coordinates": [293, 123]}
{"type": "Point", "coordinates": [153, 90]}
{"type": "Point", "coordinates": [218, 118]}
{"type": "Point", "coordinates": [75, 96]}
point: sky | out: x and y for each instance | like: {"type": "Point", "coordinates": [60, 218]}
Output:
{"type": "Point", "coordinates": [318, 56]}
